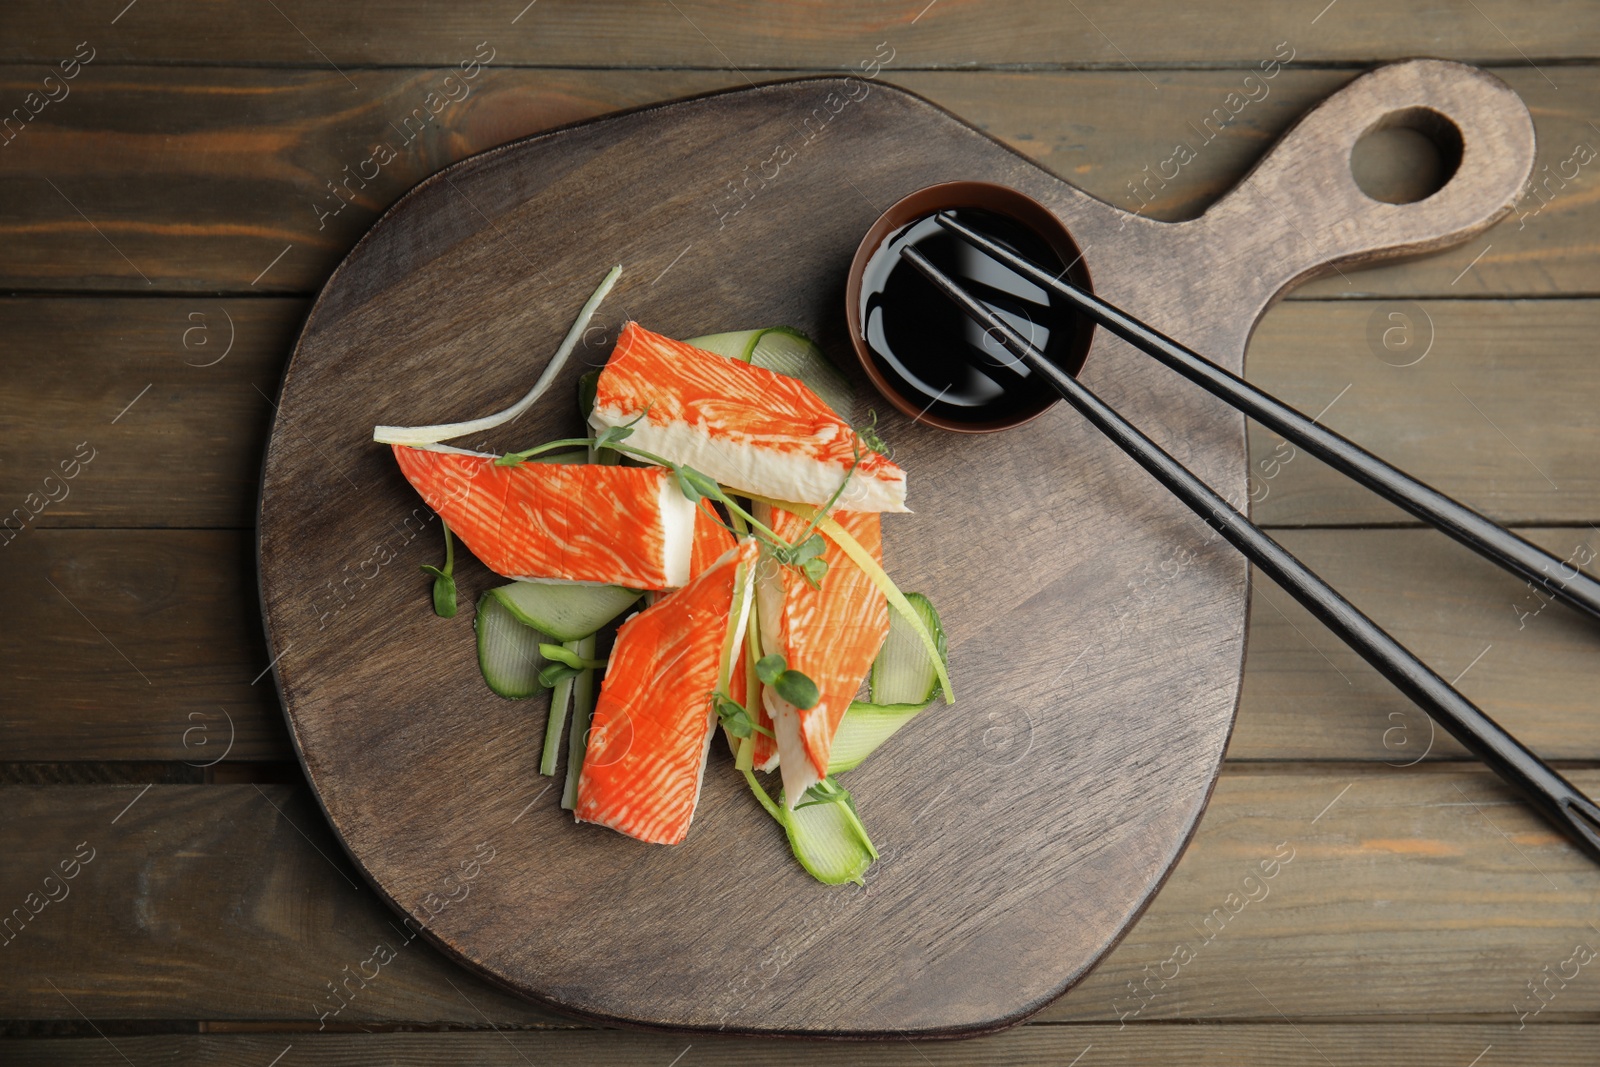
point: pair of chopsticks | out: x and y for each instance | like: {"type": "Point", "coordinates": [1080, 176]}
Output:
{"type": "Point", "coordinates": [1558, 800]}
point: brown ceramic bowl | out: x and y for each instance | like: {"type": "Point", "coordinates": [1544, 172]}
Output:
{"type": "Point", "coordinates": [1000, 200]}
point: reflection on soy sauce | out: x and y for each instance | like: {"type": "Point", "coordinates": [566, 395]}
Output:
{"type": "Point", "coordinates": [929, 349]}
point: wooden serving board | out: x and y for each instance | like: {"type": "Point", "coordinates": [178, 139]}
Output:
{"type": "Point", "coordinates": [1096, 628]}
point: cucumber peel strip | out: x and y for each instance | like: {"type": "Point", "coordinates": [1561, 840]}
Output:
{"type": "Point", "coordinates": [560, 701]}
{"type": "Point", "coordinates": [827, 839]}
{"type": "Point", "coordinates": [865, 727]}
{"type": "Point", "coordinates": [432, 435]}
{"type": "Point", "coordinates": [902, 672]}
{"type": "Point", "coordinates": [565, 611]}
{"type": "Point", "coordinates": [582, 711]}
{"type": "Point", "coordinates": [863, 559]}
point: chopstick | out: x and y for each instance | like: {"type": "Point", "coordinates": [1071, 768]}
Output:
{"type": "Point", "coordinates": [1557, 799]}
{"type": "Point", "coordinates": [1484, 536]}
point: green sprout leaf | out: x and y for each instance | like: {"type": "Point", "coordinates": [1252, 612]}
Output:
{"type": "Point", "coordinates": [444, 585]}
{"type": "Point", "coordinates": [697, 486]}
{"type": "Point", "coordinates": [612, 436]}
{"type": "Point", "coordinates": [769, 667]}
{"type": "Point", "coordinates": [791, 685]}
{"type": "Point", "coordinates": [814, 570]}
{"type": "Point", "coordinates": [872, 439]}
{"type": "Point", "coordinates": [827, 791]}
{"type": "Point", "coordinates": [736, 718]}
{"type": "Point", "coordinates": [797, 689]}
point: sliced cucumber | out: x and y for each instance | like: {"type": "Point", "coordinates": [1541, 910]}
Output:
{"type": "Point", "coordinates": [827, 839]}
{"type": "Point", "coordinates": [583, 694]}
{"type": "Point", "coordinates": [555, 725]}
{"type": "Point", "coordinates": [830, 842]}
{"type": "Point", "coordinates": [905, 672]}
{"type": "Point", "coordinates": [508, 650]}
{"type": "Point", "coordinates": [735, 345]}
{"type": "Point", "coordinates": [865, 727]}
{"type": "Point", "coordinates": [565, 612]}
{"type": "Point", "coordinates": [789, 352]}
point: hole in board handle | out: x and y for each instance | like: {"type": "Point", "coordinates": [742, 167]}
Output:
{"type": "Point", "coordinates": [1406, 156]}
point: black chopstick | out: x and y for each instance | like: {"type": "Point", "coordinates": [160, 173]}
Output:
{"type": "Point", "coordinates": [1489, 539]}
{"type": "Point", "coordinates": [1557, 799]}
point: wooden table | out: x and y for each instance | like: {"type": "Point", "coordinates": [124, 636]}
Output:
{"type": "Point", "coordinates": [179, 180]}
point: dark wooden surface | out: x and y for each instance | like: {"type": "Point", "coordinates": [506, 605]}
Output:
{"type": "Point", "coordinates": [1409, 931]}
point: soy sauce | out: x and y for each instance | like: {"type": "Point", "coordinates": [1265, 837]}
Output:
{"type": "Point", "coordinates": [930, 351]}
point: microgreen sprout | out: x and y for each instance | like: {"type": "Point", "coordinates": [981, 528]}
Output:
{"type": "Point", "coordinates": [827, 791]}
{"type": "Point", "coordinates": [791, 685]}
{"type": "Point", "coordinates": [444, 584]}
{"type": "Point", "coordinates": [872, 439]}
{"type": "Point", "coordinates": [512, 459]}
{"type": "Point", "coordinates": [806, 554]}
{"type": "Point", "coordinates": [735, 717]}
{"type": "Point", "coordinates": [562, 655]}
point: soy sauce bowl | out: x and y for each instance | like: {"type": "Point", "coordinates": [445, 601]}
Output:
{"type": "Point", "coordinates": [920, 351]}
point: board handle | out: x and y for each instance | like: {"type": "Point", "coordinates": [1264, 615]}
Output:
{"type": "Point", "coordinates": [1302, 198]}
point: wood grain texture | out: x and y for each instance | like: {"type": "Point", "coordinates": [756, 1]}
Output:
{"type": "Point", "coordinates": [1410, 894]}
{"type": "Point", "coordinates": [1498, 413]}
{"type": "Point", "coordinates": [1527, 662]}
{"type": "Point", "coordinates": [211, 207]}
{"type": "Point", "coordinates": [1524, 363]}
{"type": "Point", "coordinates": [160, 663]}
{"type": "Point", "coordinates": [834, 33]}
{"type": "Point", "coordinates": [175, 611]}
{"type": "Point", "coordinates": [996, 960]}
{"type": "Point", "coordinates": [1305, 1045]}
{"type": "Point", "coordinates": [161, 421]}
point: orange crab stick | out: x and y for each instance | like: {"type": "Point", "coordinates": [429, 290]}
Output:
{"type": "Point", "coordinates": [751, 429]}
{"type": "Point", "coordinates": [653, 722]}
{"type": "Point", "coordinates": [629, 526]}
{"type": "Point", "coordinates": [831, 634]}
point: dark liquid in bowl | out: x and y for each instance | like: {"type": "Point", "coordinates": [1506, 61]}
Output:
{"type": "Point", "coordinates": [931, 352]}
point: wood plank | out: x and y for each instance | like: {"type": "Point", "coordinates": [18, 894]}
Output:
{"type": "Point", "coordinates": [158, 421]}
{"type": "Point", "coordinates": [1109, 134]}
{"type": "Point", "coordinates": [1397, 894]}
{"type": "Point", "coordinates": [1305, 696]}
{"type": "Point", "coordinates": [187, 453]}
{"type": "Point", "coordinates": [1526, 661]}
{"type": "Point", "coordinates": [834, 34]}
{"type": "Point", "coordinates": [1224, 1045]}
{"type": "Point", "coordinates": [213, 207]}
{"type": "Point", "coordinates": [165, 661]}
{"type": "Point", "coordinates": [1500, 413]}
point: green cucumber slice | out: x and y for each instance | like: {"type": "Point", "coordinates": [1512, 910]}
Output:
{"type": "Point", "coordinates": [583, 694]}
{"type": "Point", "coordinates": [555, 724]}
{"type": "Point", "coordinates": [827, 839]}
{"type": "Point", "coordinates": [863, 728]}
{"type": "Point", "coordinates": [829, 842]}
{"type": "Point", "coordinates": [565, 612]}
{"type": "Point", "coordinates": [508, 650]}
{"type": "Point", "coordinates": [735, 345]}
{"type": "Point", "coordinates": [789, 352]}
{"type": "Point", "coordinates": [904, 672]}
